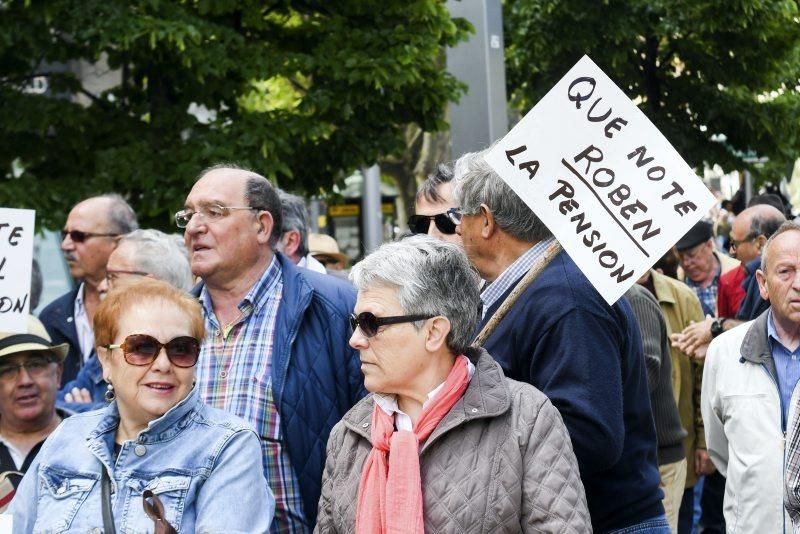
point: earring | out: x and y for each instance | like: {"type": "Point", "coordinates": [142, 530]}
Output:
{"type": "Point", "coordinates": [109, 395]}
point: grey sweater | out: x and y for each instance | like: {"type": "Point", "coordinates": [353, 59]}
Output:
{"type": "Point", "coordinates": [658, 360]}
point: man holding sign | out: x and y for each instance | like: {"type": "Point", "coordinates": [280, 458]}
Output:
{"type": "Point", "coordinates": [561, 337]}
{"type": "Point", "coordinates": [616, 195]}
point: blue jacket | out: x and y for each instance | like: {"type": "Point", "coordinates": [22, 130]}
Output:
{"type": "Point", "coordinates": [316, 375]}
{"type": "Point", "coordinates": [204, 464]}
{"type": "Point", "coordinates": [59, 322]}
{"type": "Point", "coordinates": [90, 377]}
{"type": "Point", "coordinates": [586, 356]}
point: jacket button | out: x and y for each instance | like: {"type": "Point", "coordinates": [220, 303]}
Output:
{"type": "Point", "coordinates": [365, 425]}
{"type": "Point", "coordinates": [61, 490]}
{"type": "Point", "coordinates": [474, 410]}
{"type": "Point", "coordinates": [140, 450]}
{"type": "Point", "coordinates": [97, 530]}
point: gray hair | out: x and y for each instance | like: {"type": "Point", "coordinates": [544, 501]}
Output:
{"type": "Point", "coordinates": [788, 226]}
{"type": "Point", "coordinates": [259, 193]}
{"type": "Point", "coordinates": [432, 277]}
{"type": "Point", "coordinates": [295, 217]}
{"type": "Point", "coordinates": [161, 255]}
{"type": "Point", "coordinates": [476, 183]}
{"type": "Point", "coordinates": [121, 217]}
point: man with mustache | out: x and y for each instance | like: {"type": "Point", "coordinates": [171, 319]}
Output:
{"type": "Point", "coordinates": [30, 370]}
{"type": "Point", "coordinates": [90, 236]}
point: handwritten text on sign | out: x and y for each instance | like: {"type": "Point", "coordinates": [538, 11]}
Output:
{"type": "Point", "coordinates": [16, 256]}
{"type": "Point", "coordinates": [602, 177]}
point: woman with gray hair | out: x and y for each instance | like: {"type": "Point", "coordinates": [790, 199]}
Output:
{"type": "Point", "coordinates": [445, 443]}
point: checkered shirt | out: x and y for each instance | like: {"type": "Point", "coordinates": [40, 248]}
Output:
{"type": "Point", "coordinates": [513, 272]}
{"type": "Point", "coordinates": [707, 295]}
{"type": "Point", "coordinates": [233, 374]}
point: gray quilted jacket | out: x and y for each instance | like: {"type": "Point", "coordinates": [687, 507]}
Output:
{"type": "Point", "coordinates": [500, 461]}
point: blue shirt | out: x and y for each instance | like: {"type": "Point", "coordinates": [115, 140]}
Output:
{"type": "Point", "coordinates": [787, 368]}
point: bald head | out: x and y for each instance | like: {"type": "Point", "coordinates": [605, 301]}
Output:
{"type": "Point", "coordinates": [752, 228]}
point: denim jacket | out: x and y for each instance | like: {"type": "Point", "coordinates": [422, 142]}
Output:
{"type": "Point", "coordinates": [204, 464]}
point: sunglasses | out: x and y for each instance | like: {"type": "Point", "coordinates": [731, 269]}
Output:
{"type": "Point", "coordinates": [79, 237]}
{"type": "Point", "coordinates": [141, 349]}
{"type": "Point", "coordinates": [369, 324]}
{"type": "Point", "coordinates": [419, 224]}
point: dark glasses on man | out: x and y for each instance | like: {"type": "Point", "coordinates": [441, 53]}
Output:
{"type": "Point", "coordinates": [79, 237]}
{"type": "Point", "coordinates": [141, 349]}
{"type": "Point", "coordinates": [419, 224]}
{"type": "Point", "coordinates": [369, 324]}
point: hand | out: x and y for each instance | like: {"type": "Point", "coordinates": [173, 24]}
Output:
{"type": "Point", "coordinates": [80, 396]}
{"type": "Point", "coordinates": [702, 463]}
{"type": "Point", "coordinates": [694, 339]}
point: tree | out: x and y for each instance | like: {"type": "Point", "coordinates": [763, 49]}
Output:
{"type": "Point", "coordinates": [303, 91]}
{"type": "Point", "coordinates": [719, 78]}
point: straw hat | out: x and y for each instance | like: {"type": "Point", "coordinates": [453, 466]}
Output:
{"type": "Point", "coordinates": [36, 338]}
{"type": "Point", "coordinates": [325, 245]}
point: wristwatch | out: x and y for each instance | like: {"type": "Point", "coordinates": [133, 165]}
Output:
{"type": "Point", "coordinates": [716, 327]}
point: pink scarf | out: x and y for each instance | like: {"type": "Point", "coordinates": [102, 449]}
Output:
{"type": "Point", "coordinates": [390, 491]}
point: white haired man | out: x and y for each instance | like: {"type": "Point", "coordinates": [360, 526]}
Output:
{"type": "Point", "coordinates": [562, 337]}
{"type": "Point", "coordinates": [749, 398]}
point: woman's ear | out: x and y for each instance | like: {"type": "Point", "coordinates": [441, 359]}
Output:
{"type": "Point", "coordinates": [438, 328]}
{"type": "Point", "coordinates": [104, 356]}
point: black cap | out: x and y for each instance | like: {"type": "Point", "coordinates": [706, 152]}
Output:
{"type": "Point", "coordinates": [700, 233]}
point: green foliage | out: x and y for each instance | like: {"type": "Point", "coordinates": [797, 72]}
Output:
{"type": "Point", "coordinates": [702, 70]}
{"type": "Point", "coordinates": [302, 91]}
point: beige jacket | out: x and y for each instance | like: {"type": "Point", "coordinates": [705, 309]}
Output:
{"type": "Point", "coordinates": [681, 307]}
{"type": "Point", "coordinates": [500, 461]}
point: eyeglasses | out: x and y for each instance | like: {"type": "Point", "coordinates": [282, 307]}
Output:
{"type": "Point", "coordinates": [35, 366]}
{"type": "Point", "coordinates": [79, 237]}
{"type": "Point", "coordinates": [734, 244]}
{"type": "Point", "coordinates": [419, 224]}
{"type": "Point", "coordinates": [112, 275]}
{"type": "Point", "coordinates": [369, 324]}
{"type": "Point", "coordinates": [141, 349]}
{"type": "Point", "coordinates": [455, 215]}
{"type": "Point", "coordinates": [210, 212]}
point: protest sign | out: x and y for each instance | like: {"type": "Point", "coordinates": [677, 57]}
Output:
{"type": "Point", "coordinates": [601, 176]}
{"type": "Point", "coordinates": [16, 257]}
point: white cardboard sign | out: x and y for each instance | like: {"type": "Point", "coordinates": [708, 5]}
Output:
{"type": "Point", "coordinates": [16, 257]}
{"type": "Point", "coordinates": [602, 178]}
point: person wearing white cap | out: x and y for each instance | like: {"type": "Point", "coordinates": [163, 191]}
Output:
{"type": "Point", "coordinates": [30, 372]}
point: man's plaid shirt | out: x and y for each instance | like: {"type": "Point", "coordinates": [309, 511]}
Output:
{"type": "Point", "coordinates": [233, 374]}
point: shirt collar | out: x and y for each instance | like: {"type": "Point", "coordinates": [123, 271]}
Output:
{"type": "Point", "coordinates": [513, 272]}
{"type": "Point", "coordinates": [388, 401]}
{"type": "Point", "coordinates": [80, 308]}
{"type": "Point", "coordinates": [258, 295]}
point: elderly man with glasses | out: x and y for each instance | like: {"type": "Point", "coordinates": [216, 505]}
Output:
{"type": "Point", "coordinates": [90, 235]}
{"type": "Point", "coordinates": [30, 371]}
{"type": "Point", "coordinates": [276, 349]}
{"type": "Point", "coordinates": [563, 338]}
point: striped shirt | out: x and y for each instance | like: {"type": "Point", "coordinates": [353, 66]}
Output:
{"type": "Point", "coordinates": [233, 374]}
{"type": "Point", "coordinates": [513, 272]}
